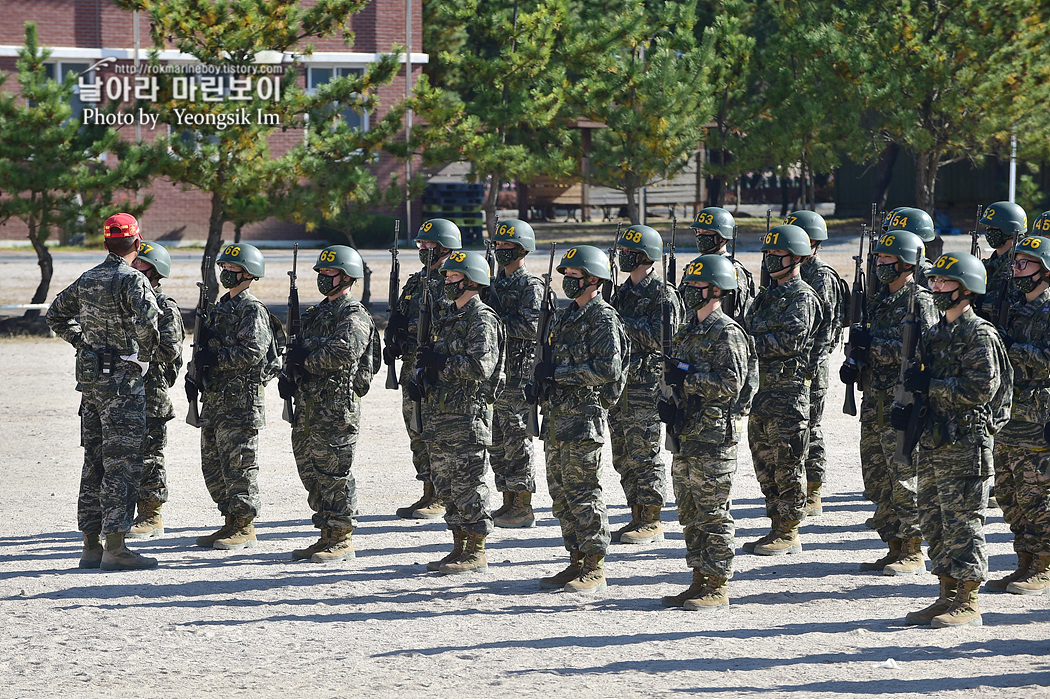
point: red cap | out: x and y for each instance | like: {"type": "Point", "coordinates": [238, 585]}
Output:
{"type": "Point", "coordinates": [121, 226]}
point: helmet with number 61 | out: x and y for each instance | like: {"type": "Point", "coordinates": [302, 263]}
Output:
{"type": "Point", "coordinates": [787, 237]}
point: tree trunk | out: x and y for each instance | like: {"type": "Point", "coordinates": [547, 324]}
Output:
{"type": "Point", "coordinates": [211, 248]}
{"type": "Point", "coordinates": [491, 199]}
{"type": "Point", "coordinates": [927, 163]}
{"type": "Point", "coordinates": [631, 192]}
{"type": "Point", "coordinates": [237, 232]}
{"type": "Point", "coordinates": [784, 189]}
{"type": "Point", "coordinates": [47, 268]}
{"type": "Point", "coordinates": [881, 189]}
{"type": "Point", "coordinates": [523, 200]}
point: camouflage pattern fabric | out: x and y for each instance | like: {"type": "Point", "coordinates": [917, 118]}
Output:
{"type": "Point", "coordinates": [819, 275]}
{"type": "Point", "coordinates": [153, 483]}
{"type": "Point", "coordinates": [231, 469]}
{"type": "Point", "coordinates": [702, 485]}
{"type": "Point", "coordinates": [163, 371]}
{"type": "Point", "coordinates": [1022, 487]}
{"type": "Point", "coordinates": [112, 432]}
{"type": "Point", "coordinates": [574, 475]}
{"type": "Point", "coordinates": [745, 293]}
{"type": "Point", "coordinates": [998, 269]}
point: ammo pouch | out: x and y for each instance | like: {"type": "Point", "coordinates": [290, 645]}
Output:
{"type": "Point", "coordinates": [92, 365]}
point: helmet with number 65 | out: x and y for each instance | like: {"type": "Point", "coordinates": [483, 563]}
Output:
{"type": "Point", "coordinates": [341, 257]}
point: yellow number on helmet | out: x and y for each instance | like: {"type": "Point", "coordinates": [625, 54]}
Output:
{"type": "Point", "coordinates": [570, 254]}
{"type": "Point", "coordinates": [459, 256]}
{"type": "Point", "coordinates": [888, 239]}
{"type": "Point", "coordinates": [1031, 243]}
{"type": "Point", "coordinates": [145, 248]}
{"type": "Point", "coordinates": [946, 262]}
{"type": "Point", "coordinates": [232, 250]}
{"type": "Point", "coordinates": [791, 220]}
{"type": "Point", "coordinates": [1043, 224]}
{"type": "Point", "coordinates": [771, 238]}
{"type": "Point", "coordinates": [990, 213]}
{"type": "Point", "coordinates": [427, 226]}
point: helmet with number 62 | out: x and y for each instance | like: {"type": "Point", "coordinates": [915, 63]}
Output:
{"type": "Point", "coordinates": [1007, 217]}
{"type": "Point", "coordinates": [716, 270]}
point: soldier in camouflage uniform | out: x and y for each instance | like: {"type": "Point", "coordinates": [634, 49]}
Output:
{"type": "Point", "coordinates": [1021, 453]}
{"type": "Point", "coordinates": [917, 221]}
{"type": "Point", "coordinates": [435, 239]}
{"type": "Point", "coordinates": [634, 423]}
{"type": "Point", "coordinates": [155, 262]}
{"type": "Point", "coordinates": [715, 227]}
{"type": "Point", "coordinates": [110, 316]}
{"type": "Point", "coordinates": [1005, 223]}
{"type": "Point", "coordinates": [784, 321]}
{"type": "Point", "coordinates": [591, 352]}
{"type": "Point", "coordinates": [328, 371]}
{"type": "Point", "coordinates": [887, 483]}
{"type": "Point", "coordinates": [458, 378]}
{"type": "Point", "coordinates": [715, 373]}
{"type": "Point", "coordinates": [967, 378]}
{"type": "Point", "coordinates": [519, 296]}
{"type": "Point", "coordinates": [237, 346]}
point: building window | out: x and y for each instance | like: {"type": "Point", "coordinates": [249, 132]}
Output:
{"type": "Point", "coordinates": [317, 76]}
{"type": "Point", "coordinates": [59, 71]}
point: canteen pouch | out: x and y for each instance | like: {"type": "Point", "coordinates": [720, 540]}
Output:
{"type": "Point", "coordinates": [88, 366]}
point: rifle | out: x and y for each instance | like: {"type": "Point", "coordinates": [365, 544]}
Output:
{"type": "Point", "coordinates": [610, 284]}
{"type": "Point", "coordinates": [424, 377]}
{"type": "Point", "coordinates": [858, 321]}
{"type": "Point", "coordinates": [913, 405]}
{"type": "Point", "coordinates": [670, 393]}
{"type": "Point", "coordinates": [671, 272]}
{"type": "Point", "coordinates": [491, 298]}
{"type": "Point", "coordinates": [391, 300]}
{"type": "Point", "coordinates": [195, 373]}
{"type": "Point", "coordinates": [873, 237]}
{"type": "Point", "coordinates": [544, 352]}
{"type": "Point", "coordinates": [1002, 317]}
{"type": "Point", "coordinates": [295, 331]}
{"type": "Point", "coordinates": [975, 245]}
{"type": "Point", "coordinates": [764, 279]}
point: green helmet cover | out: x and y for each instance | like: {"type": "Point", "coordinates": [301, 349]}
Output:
{"type": "Point", "coordinates": [787, 237]}
{"type": "Point", "coordinates": [471, 264]}
{"type": "Point", "coordinates": [888, 216]}
{"type": "Point", "coordinates": [245, 255]}
{"type": "Point", "coordinates": [157, 256]}
{"type": "Point", "coordinates": [811, 222]}
{"type": "Point", "coordinates": [644, 239]}
{"type": "Point", "coordinates": [963, 268]}
{"type": "Point", "coordinates": [902, 244]}
{"type": "Point", "coordinates": [917, 221]}
{"type": "Point", "coordinates": [1041, 225]}
{"type": "Point", "coordinates": [1007, 217]}
{"type": "Point", "coordinates": [590, 259]}
{"type": "Point", "coordinates": [345, 259]}
{"type": "Point", "coordinates": [715, 218]}
{"type": "Point", "coordinates": [717, 270]}
{"type": "Point", "coordinates": [1038, 247]}
{"type": "Point", "coordinates": [516, 231]}
{"type": "Point", "coordinates": [441, 231]}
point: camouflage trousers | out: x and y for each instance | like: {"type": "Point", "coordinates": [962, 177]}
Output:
{"type": "Point", "coordinates": [574, 480]}
{"type": "Point", "coordinates": [951, 511]}
{"type": "Point", "coordinates": [889, 485]}
{"type": "Point", "coordinates": [458, 468]}
{"type": "Point", "coordinates": [112, 432]}
{"type": "Point", "coordinates": [512, 452]}
{"type": "Point", "coordinates": [816, 455]}
{"type": "Point", "coordinates": [778, 450]}
{"type": "Point", "coordinates": [1022, 487]}
{"type": "Point", "coordinates": [634, 425]}
{"type": "Point", "coordinates": [231, 472]}
{"type": "Point", "coordinates": [420, 455]}
{"type": "Point", "coordinates": [702, 484]}
{"type": "Point", "coordinates": [154, 482]}
{"type": "Point", "coordinates": [324, 455]}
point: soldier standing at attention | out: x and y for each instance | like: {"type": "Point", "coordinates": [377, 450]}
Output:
{"type": "Point", "coordinates": [465, 367]}
{"type": "Point", "coordinates": [917, 221]}
{"type": "Point", "coordinates": [436, 239]}
{"type": "Point", "coordinates": [968, 380]}
{"type": "Point", "coordinates": [716, 372]}
{"type": "Point", "coordinates": [785, 322]}
{"type": "Point", "coordinates": [715, 227]}
{"type": "Point", "coordinates": [110, 315]}
{"type": "Point", "coordinates": [1005, 222]}
{"type": "Point", "coordinates": [331, 370]}
{"type": "Point", "coordinates": [155, 262]}
{"type": "Point", "coordinates": [238, 341]}
{"type": "Point", "coordinates": [591, 351]}
{"type": "Point", "coordinates": [634, 422]}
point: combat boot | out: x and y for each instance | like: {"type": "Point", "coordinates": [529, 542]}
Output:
{"type": "Point", "coordinates": [91, 556]}
{"type": "Point", "coordinates": [944, 599]}
{"type": "Point", "coordinates": [714, 597]}
{"type": "Point", "coordinates": [148, 524]}
{"type": "Point", "coordinates": [749, 546]}
{"type": "Point", "coordinates": [1037, 581]}
{"type": "Point", "coordinates": [591, 578]}
{"type": "Point", "coordinates": [964, 610]}
{"type": "Point", "coordinates": [459, 539]}
{"type": "Point", "coordinates": [814, 507]}
{"type": "Point", "coordinates": [340, 546]}
{"type": "Point", "coordinates": [649, 528]}
{"type": "Point", "coordinates": [431, 507]}
{"type": "Point", "coordinates": [117, 556]}
{"type": "Point", "coordinates": [911, 561]}
{"type": "Point", "coordinates": [1024, 562]}
{"type": "Point", "coordinates": [319, 545]}
{"type": "Point", "coordinates": [508, 502]}
{"type": "Point", "coordinates": [636, 520]}
{"type": "Point", "coordinates": [428, 495]}
{"type": "Point", "coordinates": [559, 580]}
{"type": "Point", "coordinates": [894, 555]}
{"type": "Point", "coordinates": [694, 590]}
{"type": "Point", "coordinates": [473, 559]}
{"type": "Point", "coordinates": [241, 536]}
{"type": "Point", "coordinates": [784, 542]}
{"type": "Point", "coordinates": [208, 541]}
{"type": "Point", "coordinates": [520, 514]}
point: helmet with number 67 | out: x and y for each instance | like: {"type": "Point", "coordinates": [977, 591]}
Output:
{"type": "Point", "coordinates": [717, 270]}
{"type": "Point", "coordinates": [811, 222]}
{"type": "Point", "coordinates": [245, 255]}
{"type": "Point", "coordinates": [963, 268]}
{"type": "Point", "coordinates": [590, 259]}
{"type": "Point", "coordinates": [157, 256]}
{"type": "Point", "coordinates": [345, 259]}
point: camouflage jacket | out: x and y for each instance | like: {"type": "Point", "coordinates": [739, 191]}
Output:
{"type": "Point", "coordinates": [886, 313]}
{"type": "Point", "coordinates": [521, 296]}
{"type": "Point", "coordinates": [784, 322]}
{"type": "Point", "coordinates": [167, 360]}
{"type": "Point", "coordinates": [1029, 326]}
{"type": "Point", "coordinates": [819, 275]}
{"type": "Point", "coordinates": [722, 380]}
{"type": "Point", "coordinates": [239, 333]}
{"type": "Point", "coordinates": [641, 310]}
{"type": "Point", "coordinates": [109, 310]}
{"type": "Point", "coordinates": [408, 305]}
{"type": "Point", "coordinates": [998, 270]}
{"type": "Point", "coordinates": [745, 293]}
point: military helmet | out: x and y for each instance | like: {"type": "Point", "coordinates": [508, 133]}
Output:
{"type": "Point", "coordinates": [157, 256]}
{"type": "Point", "coordinates": [963, 268]}
{"type": "Point", "coordinates": [245, 255]}
{"type": "Point", "coordinates": [1007, 217]}
{"type": "Point", "coordinates": [1041, 225]}
{"type": "Point", "coordinates": [516, 231]}
{"type": "Point", "coordinates": [888, 216]}
{"type": "Point", "coordinates": [644, 239]}
{"type": "Point", "coordinates": [787, 237]}
{"type": "Point", "coordinates": [715, 218]}
{"type": "Point", "coordinates": [1038, 247]}
{"type": "Point", "coordinates": [471, 264]}
{"type": "Point", "coordinates": [345, 259]}
{"type": "Point", "coordinates": [717, 270]}
{"type": "Point", "coordinates": [811, 222]}
{"type": "Point", "coordinates": [441, 231]}
{"type": "Point", "coordinates": [917, 221]}
{"type": "Point", "coordinates": [590, 259]}
{"type": "Point", "coordinates": [901, 244]}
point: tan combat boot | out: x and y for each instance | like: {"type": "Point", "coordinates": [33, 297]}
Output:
{"type": "Point", "coordinates": [428, 495]}
{"type": "Point", "coordinates": [520, 514]}
{"type": "Point", "coordinates": [636, 520]}
{"type": "Point", "coordinates": [1024, 562]}
{"type": "Point", "coordinates": [459, 539]}
{"type": "Point", "coordinates": [473, 559]}
{"type": "Point", "coordinates": [304, 554]}
{"type": "Point", "coordinates": [715, 596]}
{"type": "Point", "coordinates": [508, 502]}
{"type": "Point", "coordinates": [964, 610]}
{"type": "Point", "coordinates": [784, 542]}
{"type": "Point", "coordinates": [911, 561]}
{"type": "Point", "coordinates": [894, 555]}
{"type": "Point", "coordinates": [814, 507]}
{"type": "Point", "coordinates": [431, 507]}
{"type": "Point", "coordinates": [591, 579]}
{"type": "Point", "coordinates": [944, 599]}
{"type": "Point", "coordinates": [559, 580]}
{"type": "Point", "coordinates": [91, 556]}
{"type": "Point", "coordinates": [749, 546]}
{"type": "Point", "coordinates": [694, 590]}
{"type": "Point", "coordinates": [148, 524]}
{"type": "Point", "coordinates": [117, 556]}
{"type": "Point", "coordinates": [649, 529]}
{"type": "Point", "coordinates": [1037, 581]}
{"type": "Point", "coordinates": [241, 536]}
{"type": "Point", "coordinates": [340, 546]}
{"type": "Point", "coordinates": [208, 541]}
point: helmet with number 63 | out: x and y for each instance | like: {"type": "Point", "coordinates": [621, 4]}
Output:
{"type": "Point", "coordinates": [717, 270]}
{"type": "Point", "coordinates": [644, 239]}
{"type": "Point", "coordinates": [811, 222]}
{"type": "Point", "coordinates": [714, 218]}
{"type": "Point", "coordinates": [1007, 217]}
{"type": "Point", "coordinates": [345, 259]}
{"type": "Point", "coordinates": [787, 237]}
{"type": "Point", "coordinates": [1038, 247]}
{"type": "Point", "coordinates": [904, 245]}
{"type": "Point", "coordinates": [514, 230]}
{"type": "Point", "coordinates": [963, 268]}
{"type": "Point", "coordinates": [441, 231]}
{"type": "Point", "coordinates": [245, 255]}
{"type": "Point", "coordinates": [917, 221]}
{"type": "Point", "coordinates": [471, 264]}
{"type": "Point", "coordinates": [157, 256]}
{"type": "Point", "coordinates": [590, 259]}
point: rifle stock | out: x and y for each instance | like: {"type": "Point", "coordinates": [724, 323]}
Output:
{"type": "Point", "coordinates": [391, 299]}
{"type": "Point", "coordinates": [295, 330]}
{"type": "Point", "coordinates": [913, 403]}
{"type": "Point", "coordinates": [670, 393]}
{"type": "Point", "coordinates": [543, 352]}
{"type": "Point", "coordinates": [858, 317]}
{"type": "Point", "coordinates": [195, 373]}
{"type": "Point", "coordinates": [610, 284]}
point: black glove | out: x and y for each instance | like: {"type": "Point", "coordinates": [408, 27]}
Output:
{"type": "Point", "coordinates": [544, 371]}
{"type": "Point", "coordinates": [900, 415]}
{"type": "Point", "coordinates": [390, 353]}
{"type": "Point", "coordinates": [668, 411]}
{"type": "Point", "coordinates": [675, 371]}
{"type": "Point", "coordinates": [916, 380]}
{"type": "Point", "coordinates": [414, 390]}
{"type": "Point", "coordinates": [532, 393]}
{"type": "Point", "coordinates": [849, 373]}
{"type": "Point", "coordinates": [296, 355]}
{"type": "Point", "coordinates": [859, 338]}
{"type": "Point", "coordinates": [285, 387]}
{"type": "Point", "coordinates": [205, 358]}
{"type": "Point", "coordinates": [191, 390]}
{"type": "Point", "coordinates": [427, 358]}
{"type": "Point", "coordinates": [1004, 335]}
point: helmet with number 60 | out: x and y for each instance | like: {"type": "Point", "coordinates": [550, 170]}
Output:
{"type": "Point", "coordinates": [514, 230]}
{"type": "Point", "coordinates": [917, 221]}
{"type": "Point", "coordinates": [345, 259]}
{"type": "Point", "coordinates": [714, 218]}
{"type": "Point", "coordinates": [157, 256]}
{"type": "Point", "coordinates": [471, 264]}
{"type": "Point", "coordinates": [811, 222]}
{"type": "Point", "coordinates": [1007, 217]}
{"type": "Point", "coordinates": [590, 259]}
{"type": "Point", "coordinates": [245, 255]}
{"type": "Point", "coordinates": [1038, 247]}
{"type": "Point", "coordinates": [441, 231]}
{"type": "Point", "coordinates": [644, 239]}
{"type": "Point", "coordinates": [902, 244]}
{"type": "Point", "coordinates": [717, 270]}
{"type": "Point", "coordinates": [963, 268]}
{"type": "Point", "coordinates": [787, 237]}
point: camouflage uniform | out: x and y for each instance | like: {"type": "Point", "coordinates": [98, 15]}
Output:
{"type": "Point", "coordinates": [999, 269]}
{"type": "Point", "coordinates": [784, 321]}
{"type": "Point", "coordinates": [232, 406]}
{"type": "Point", "coordinates": [819, 275]}
{"type": "Point", "coordinates": [722, 379]}
{"type": "Point", "coordinates": [342, 343]}
{"type": "Point", "coordinates": [520, 295]}
{"type": "Point", "coordinates": [970, 379]}
{"type": "Point", "coordinates": [110, 310]}
{"type": "Point", "coordinates": [744, 295]}
{"type": "Point", "coordinates": [457, 411]}
{"type": "Point", "coordinates": [589, 346]}
{"type": "Point", "coordinates": [163, 371]}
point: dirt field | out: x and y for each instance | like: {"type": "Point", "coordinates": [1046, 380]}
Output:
{"type": "Point", "coordinates": [254, 624]}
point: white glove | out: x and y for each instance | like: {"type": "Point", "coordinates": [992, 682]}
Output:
{"type": "Point", "coordinates": [144, 366]}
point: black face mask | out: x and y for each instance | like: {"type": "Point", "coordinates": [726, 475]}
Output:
{"type": "Point", "coordinates": [775, 263]}
{"type": "Point", "coordinates": [707, 243]}
{"type": "Point", "coordinates": [453, 290]}
{"type": "Point", "coordinates": [630, 260]}
{"type": "Point", "coordinates": [327, 285]}
{"type": "Point", "coordinates": [887, 273]}
{"type": "Point", "coordinates": [694, 298]}
{"type": "Point", "coordinates": [229, 279]}
{"type": "Point", "coordinates": [504, 256]}
{"type": "Point", "coordinates": [943, 301]}
{"type": "Point", "coordinates": [1027, 285]}
{"type": "Point", "coordinates": [573, 286]}
{"type": "Point", "coordinates": [428, 255]}
{"type": "Point", "coordinates": [996, 236]}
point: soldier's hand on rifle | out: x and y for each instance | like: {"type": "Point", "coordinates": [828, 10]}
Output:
{"type": "Point", "coordinates": [285, 387]}
{"type": "Point", "coordinates": [859, 338]}
{"type": "Point", "coordinates": [849, 372]}
{"type": "Point", "coordinates": [916, 380]}
{"type": "Point", "coordinates": [191, 390]}
{"type": "Point", "coordinates": [206, 357]}
{"type": "Point", "coordinates": [667, 410]}
{"type": "Point", "coordinates": [414, 390]}
{"type": "Point", "coordinates": [675, 371]}
{"type": "Point", "coordinates": [391, 353]}
{"type": "Point", "coordinates": [398, 324]}
{"type": "Point", "coordinates": [544, 371]}
{"type": "Point", "coordinates": [427, 358]}
{"type": "Point", "coordinates": [296, 355]}
{"type": "Point", "coordinates": [1004, 335]}
{"type": "Point", "coordinates": [899, 417]}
